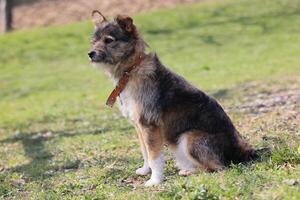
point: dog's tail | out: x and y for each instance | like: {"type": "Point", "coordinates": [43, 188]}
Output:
{"type": "Point", "coordinates": [245, 153]}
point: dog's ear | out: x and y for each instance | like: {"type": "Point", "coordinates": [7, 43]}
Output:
{"type": "Point", "coordinates": [98, 18]}
{"type": "Point", "coordinates": [126, 23]}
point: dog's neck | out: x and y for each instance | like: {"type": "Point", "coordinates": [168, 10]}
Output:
{"type": "Point", "coordinates": [116, 71]}
{"type": "Point", "coordinates": [120, 68]}
{"type": "Point", "coordinates": [123, 80]}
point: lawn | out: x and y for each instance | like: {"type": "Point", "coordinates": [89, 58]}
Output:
{"type": "Point", "coordinates": [58, 140]}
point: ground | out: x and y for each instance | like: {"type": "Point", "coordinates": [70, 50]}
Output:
{"type": "Point", "coordinates": [58, 140]}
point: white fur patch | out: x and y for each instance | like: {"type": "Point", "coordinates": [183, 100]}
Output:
{"type": "Point", "coordinates": [182, 155]}
{"type": "Point", "coordinates": [157, 168]}
{"type": "Point", "coordinates": [143, 170]}
{"type": "Point", "coordinates": [146, 168]}
{"type": "Point", "coordinates": [127, 105]}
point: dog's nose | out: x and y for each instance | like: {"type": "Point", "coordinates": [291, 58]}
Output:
{"type": "Point", "coordinates": [92, 54]}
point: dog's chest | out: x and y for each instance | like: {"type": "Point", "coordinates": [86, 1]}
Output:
{"type": "Point", "coordinates": [128, 105]}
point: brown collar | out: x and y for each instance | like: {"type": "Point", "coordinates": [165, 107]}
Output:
{"type": "Point", "coordinates": [123, 81]}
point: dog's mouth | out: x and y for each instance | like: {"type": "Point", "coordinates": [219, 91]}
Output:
{"type": "Point", "coordinates": [96, 56]}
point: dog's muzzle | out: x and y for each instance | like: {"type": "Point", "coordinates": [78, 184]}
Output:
{"type": "Point", "coordinates": [96, 56]}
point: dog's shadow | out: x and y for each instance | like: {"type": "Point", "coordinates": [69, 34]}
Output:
{"type": "Point", "coordinates": [41, 159]}
{"type": "Point", "coordinates": [41, 162]}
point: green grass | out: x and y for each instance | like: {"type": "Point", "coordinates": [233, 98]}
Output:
{"type": "Point", "coordinates": [59, 140]}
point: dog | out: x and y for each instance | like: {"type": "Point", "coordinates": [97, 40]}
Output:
{"type": "Point", "coordinates": [162, 106]}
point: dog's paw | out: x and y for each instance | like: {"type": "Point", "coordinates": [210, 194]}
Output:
{"type": "Point", "coordinates": [186, 172]}
{"type": "Point", "coordinates": [153, 182]}
{"type": "Point", "coordinates": [143, 171]}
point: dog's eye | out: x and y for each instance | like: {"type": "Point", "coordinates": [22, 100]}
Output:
{"type": "Point", "coordinates": [109, 39]}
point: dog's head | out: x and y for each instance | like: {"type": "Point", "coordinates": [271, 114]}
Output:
{"type": "Point", "coordinates": [113, 41]}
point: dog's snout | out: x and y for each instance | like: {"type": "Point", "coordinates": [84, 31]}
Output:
{"type": "Point", "coordinates": [96, 56]}
{"type": "Point", "coordinates": [92, 54]}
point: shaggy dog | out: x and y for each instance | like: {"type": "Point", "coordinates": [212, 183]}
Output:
{"type": "Point", "coordinates": [162, 106]}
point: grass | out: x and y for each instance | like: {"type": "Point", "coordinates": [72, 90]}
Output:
{"type": "Point", "coordinates": [59, 141]}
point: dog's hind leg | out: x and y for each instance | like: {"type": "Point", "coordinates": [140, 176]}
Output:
{"type": "Point", "coordinates": [202, 149]}
{"type": "Point", "coordinates": [195, 152]}
{"type": "Point", "coordinates": [186, 164]}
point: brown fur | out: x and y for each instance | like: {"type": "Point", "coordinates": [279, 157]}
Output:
{"type": "Point", "coordinates": [165, 108]}
{"type": "Point", "coordinates": [207, 158]}
{"type": "Point", "coordinates": [153, 140]}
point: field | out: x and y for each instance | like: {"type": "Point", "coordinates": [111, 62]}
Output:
{"type": "Point", "coordinates": [58, 140]}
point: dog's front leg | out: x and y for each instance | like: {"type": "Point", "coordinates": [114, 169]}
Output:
{"type": "Point", "coordinates": [153, 140]}
{"type": "Point", "coordinates": [145, 169]}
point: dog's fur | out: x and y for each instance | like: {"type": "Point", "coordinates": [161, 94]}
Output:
{"type": "Point", "coordinates": [165, 108]}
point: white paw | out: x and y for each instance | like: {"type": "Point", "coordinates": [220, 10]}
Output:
{"type": "Point", "coordinates": [186, 172]}
{"type": "Point", "coordinates": [143, 171]}
{"type": "Point", "coordinates": [153, 181]}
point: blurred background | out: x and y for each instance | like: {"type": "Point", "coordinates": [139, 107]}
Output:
{"type": "Point", "coordinates": [58, 140]}
{"type": "Point", "coordinates": [31, 13]}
